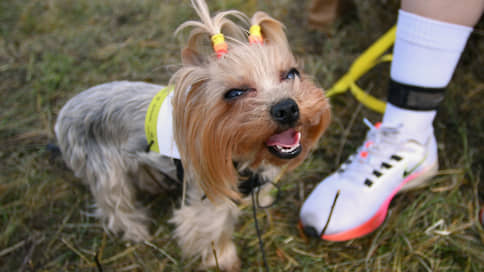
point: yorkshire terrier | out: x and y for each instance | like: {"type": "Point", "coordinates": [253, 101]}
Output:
{"type": "Point", "coordinates": [246, 110]}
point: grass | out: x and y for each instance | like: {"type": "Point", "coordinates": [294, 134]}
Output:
{"type": "Point", "coordinates": [51, 50]}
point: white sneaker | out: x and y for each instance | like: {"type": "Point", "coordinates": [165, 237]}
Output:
{"type": "Point", "coordinates": [385, 164]}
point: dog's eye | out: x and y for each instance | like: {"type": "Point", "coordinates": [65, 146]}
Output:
{"type": "Point", "coordinates": [291, 74]}
{"type": "Point", "coordinates": [234, 93]}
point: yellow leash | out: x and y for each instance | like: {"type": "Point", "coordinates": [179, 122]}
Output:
{"type": "Point", "coordinates": [371, 57]}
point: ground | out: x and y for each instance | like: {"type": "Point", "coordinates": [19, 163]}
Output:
{"type": "Point", "coordinates": [51, 50]}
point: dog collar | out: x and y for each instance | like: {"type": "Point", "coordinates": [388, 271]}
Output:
{"type": "Point", "coordinates": [159, 124]}
{"type": "Point", "coordinates": [249, 182]}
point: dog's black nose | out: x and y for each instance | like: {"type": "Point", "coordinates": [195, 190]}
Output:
{"type": "Point", "coordinates": [285, 112]}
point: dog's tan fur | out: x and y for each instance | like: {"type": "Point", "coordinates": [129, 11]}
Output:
{"type": "Point", "coordinates": [211, 134]}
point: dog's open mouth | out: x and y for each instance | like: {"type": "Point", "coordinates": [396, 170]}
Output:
{"type": "Point", "coordinates": [285, 145]}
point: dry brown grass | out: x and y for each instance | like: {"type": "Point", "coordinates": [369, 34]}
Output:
{"type": "Point", "coordinates": [51, 50]}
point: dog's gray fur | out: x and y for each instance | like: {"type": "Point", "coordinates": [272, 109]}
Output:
{"type": "Point", "coordinates": [102, 138]}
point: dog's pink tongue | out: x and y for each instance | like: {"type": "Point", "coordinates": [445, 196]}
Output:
{"type": "Point", "coordinates": [288, 138]}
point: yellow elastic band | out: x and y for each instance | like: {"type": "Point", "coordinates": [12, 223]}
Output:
{"type": "Point", "coordinates": [255, 30]}
{"type": "Point", "coordinates": [255, 35]}
{"type": "Point", "coordinates": [366, 61]}
{"type": "Point", "coordinates": [151, 119]}
{"type": "Point", "coordinates": [218, 39]}
{"type": "Point", "coordinates": [219, 45]}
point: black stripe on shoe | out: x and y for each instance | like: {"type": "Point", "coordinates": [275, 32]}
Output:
{"type": "Point", "coordinates": [386, 165]}
{"type": "Point", "coordinates": [396, 157]}
{"type": "Point", "coordinates": [368, 182]}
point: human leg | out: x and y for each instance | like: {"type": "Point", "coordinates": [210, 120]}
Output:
{"type": "Point", "coordinates": [465, 13]}
{"type": "Point", "coordinates": [322, 13]}
{"type": "Point", "coordinates": [402, 152]}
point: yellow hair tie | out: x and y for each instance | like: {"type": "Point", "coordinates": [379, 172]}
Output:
{"type": "Point", "coordinates": [219, 45]}
{"type": "Point", "coordinates": [255, 35]}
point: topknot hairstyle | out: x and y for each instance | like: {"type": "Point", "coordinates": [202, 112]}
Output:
{"type": "Point", "coordinates": [271, 30]}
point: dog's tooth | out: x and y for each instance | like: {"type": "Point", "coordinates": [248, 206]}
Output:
{"type": "Point", "coordinates": [283, 149]}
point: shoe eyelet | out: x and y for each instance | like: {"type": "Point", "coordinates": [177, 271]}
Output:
{"type": "Point", "coordinates": [386, 165]}
{"type": "Point", "coordinates": [368, 182]}
{"type": "Point", "coordinates": [396, 158]}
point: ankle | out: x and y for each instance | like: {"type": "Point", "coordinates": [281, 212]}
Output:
{"type": "Point", "coordinates": [416, 125]}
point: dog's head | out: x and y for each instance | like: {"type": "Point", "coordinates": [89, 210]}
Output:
{"type": "Point", "coordinates": [253, 105]}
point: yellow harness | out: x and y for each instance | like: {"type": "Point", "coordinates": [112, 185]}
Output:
{"type": "Point", "coordinates": [151, 119]}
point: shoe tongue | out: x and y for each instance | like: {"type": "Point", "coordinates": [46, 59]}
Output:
{"type": "Point", "coordinates": [288, 138]}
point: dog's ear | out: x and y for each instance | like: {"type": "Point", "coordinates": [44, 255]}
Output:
{"type": "Point", "coordinates": [192, 57]}
{"type": "Point", "coordinates": [202, 137]}
{"type": "Point", "coordinates": [272, 30]}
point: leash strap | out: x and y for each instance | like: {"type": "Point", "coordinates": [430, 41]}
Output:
{"type": "Point", "coordinates": [367, 60]}
{"type": "Point", "coordinates": [257, 229]}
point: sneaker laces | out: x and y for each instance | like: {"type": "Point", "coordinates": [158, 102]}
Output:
{"type": "Point", "coordinates": [380, 143]}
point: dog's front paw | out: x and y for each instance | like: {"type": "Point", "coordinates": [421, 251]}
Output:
{"type": "Point", "coordinates": [226, 259]}
{"type": "Point", "coordinates": [133, 225]}
{"type": "Point", "coordinates": [137, 233]}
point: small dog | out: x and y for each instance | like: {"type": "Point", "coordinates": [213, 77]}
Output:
{"type": "Point", "coordinates": [246, 111]}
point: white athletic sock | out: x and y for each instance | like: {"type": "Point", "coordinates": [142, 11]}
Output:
{"type": "Point", "coordinates": [417, 125]}
{"type": "Point", "coordinates": [425, 54]}
{"type": "Point", "coordinates": [426, 51]}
